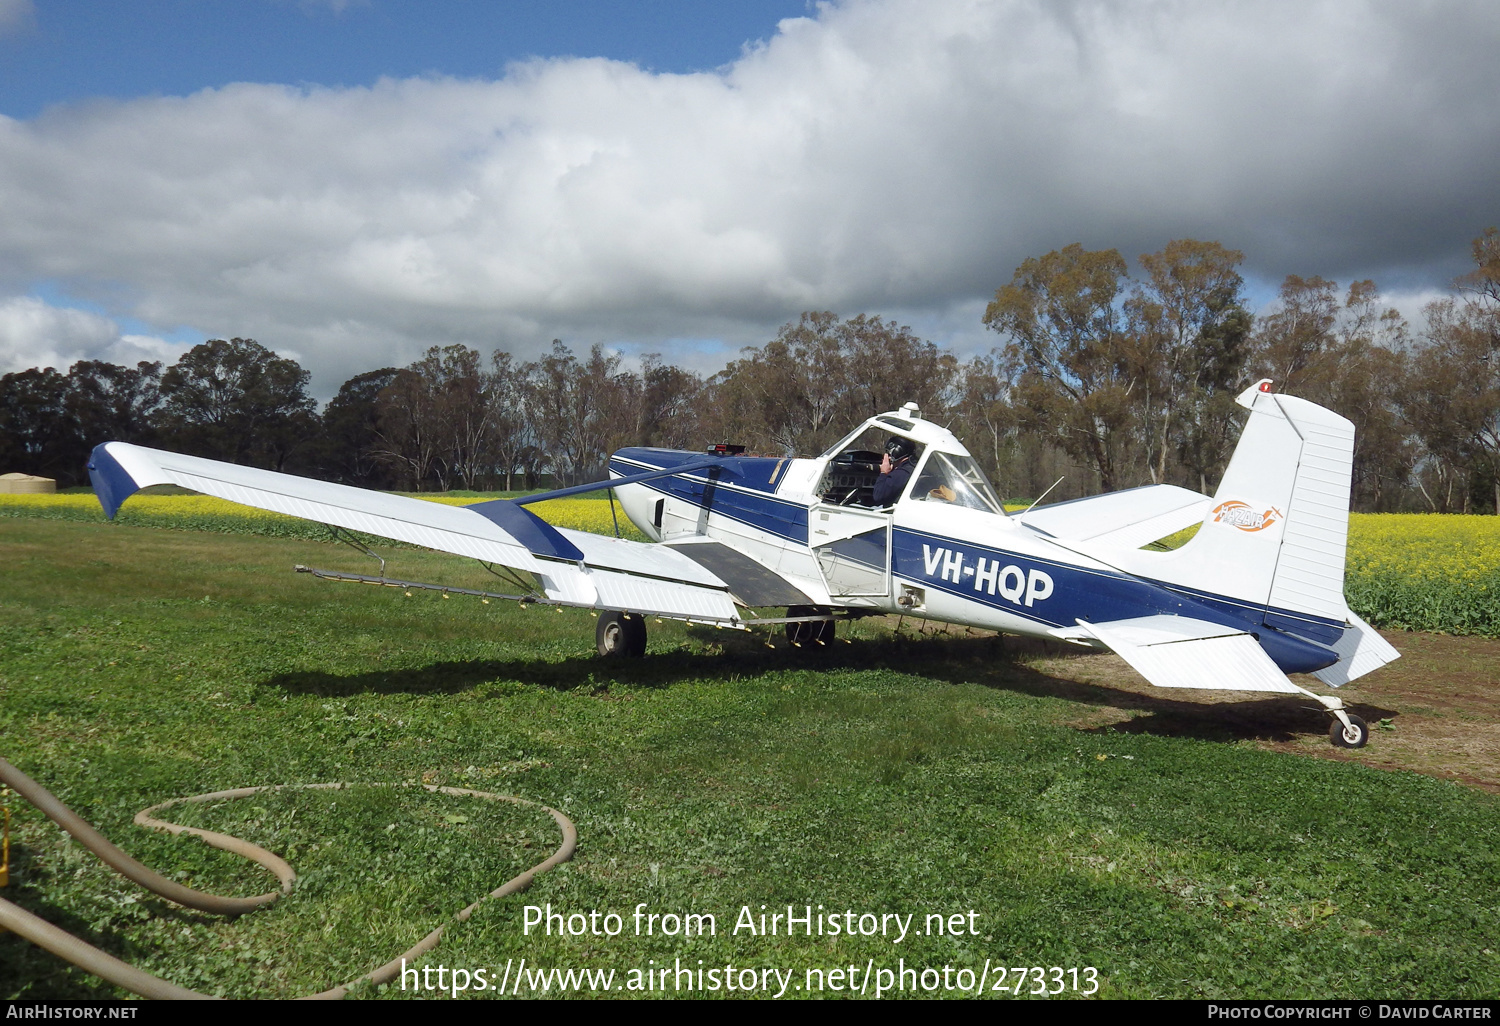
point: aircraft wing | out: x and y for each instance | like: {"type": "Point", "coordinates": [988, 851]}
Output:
{"type": "Point", "coordinates": [571, 567]}
{"type": "Point", "coordinates": [1182, 652]}
{"type": "Point", "coordinates": [1126, 519]}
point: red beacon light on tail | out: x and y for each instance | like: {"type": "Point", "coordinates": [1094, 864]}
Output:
{"type": "Point", "coordinates": [724, 449]}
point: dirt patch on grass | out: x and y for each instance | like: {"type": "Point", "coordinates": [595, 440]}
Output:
{"type": "Point", "coordinates": [1436, 710]}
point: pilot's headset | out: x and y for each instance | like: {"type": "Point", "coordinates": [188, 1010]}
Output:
{"type": "Point", "coordinates": [899, 449]}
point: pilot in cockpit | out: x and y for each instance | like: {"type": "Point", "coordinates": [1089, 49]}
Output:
{"type": "Point", "coordinates": [895, 470]}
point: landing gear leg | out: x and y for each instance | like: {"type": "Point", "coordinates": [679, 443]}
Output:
{"type": "Point", "coordinates": [810, 633]}
{"type": "Point", "coordinates": [621, 634]}
{"type": "Point", "coordinates": [1347, 729]}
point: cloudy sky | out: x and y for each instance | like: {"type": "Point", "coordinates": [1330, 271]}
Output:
{"type": "Point", "coordinates": [351, 181]}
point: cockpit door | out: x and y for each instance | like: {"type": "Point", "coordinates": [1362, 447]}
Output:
{"type": "Point", "coordinates": [853, 547]}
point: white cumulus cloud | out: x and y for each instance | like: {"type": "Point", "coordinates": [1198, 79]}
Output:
{"type": "Point", "coordinates": [888, 155]}
{"type": "Point", "coordinates": [34, 333]}
{"type": "Point", "coordinates": [15, 14]}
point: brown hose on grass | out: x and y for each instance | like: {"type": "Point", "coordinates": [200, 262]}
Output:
{"type": "Point", "coordinates": [90, 958]}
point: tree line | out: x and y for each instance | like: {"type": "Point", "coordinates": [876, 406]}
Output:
{"type": "Point", "coordinates": [1104, 378]}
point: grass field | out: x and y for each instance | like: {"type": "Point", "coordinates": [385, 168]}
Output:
{"type": "Point", "coordinates": [915, 776]}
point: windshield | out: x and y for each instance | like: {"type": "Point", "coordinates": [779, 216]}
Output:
{"type": "Point", "coordinates": [868, 438]}
{"type": "Point", "coordinates": [956, 479]}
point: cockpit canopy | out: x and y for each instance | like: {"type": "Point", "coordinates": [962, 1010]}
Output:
{"type": "Point", "coordinates": [945, 472]}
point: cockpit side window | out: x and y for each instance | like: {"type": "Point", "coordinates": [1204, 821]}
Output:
{"type": "Point", "coordinates": [849, 479]}
{"type": "Point", "coordinates": [946, 477]}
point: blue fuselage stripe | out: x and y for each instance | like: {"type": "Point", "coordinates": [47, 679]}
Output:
{"type": "Point", "coordinates": [1060, 594]}
{"type": "Point", "coordinates": [1078, 593]}
{"type": "Point", "coordinates": [787, 520]}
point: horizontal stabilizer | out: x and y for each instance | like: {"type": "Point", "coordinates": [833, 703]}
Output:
{"type": "Point", "coordinates": [1181, 652]}
{"type": "Point", "coordinates": [1361, 649]}
{"type": "Point", "coordinates": [1127, 519]}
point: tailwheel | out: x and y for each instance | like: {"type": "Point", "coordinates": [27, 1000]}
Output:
{"type": "Point", "coordinates": [810, 632]}
{"type": "Point", "coordinates": [621, 634]}
{"type": "Point", "coordinates": [1353, 734]}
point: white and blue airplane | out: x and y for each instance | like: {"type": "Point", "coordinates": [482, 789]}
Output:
{"type": "Point", "coordinates": [1255, 595]}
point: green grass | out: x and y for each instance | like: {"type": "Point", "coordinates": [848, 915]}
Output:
{"type": "Point", "coordinates": [887, 776]}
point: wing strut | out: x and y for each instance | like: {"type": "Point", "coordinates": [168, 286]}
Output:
{"type": "Point", "coordinates": [615, 482]}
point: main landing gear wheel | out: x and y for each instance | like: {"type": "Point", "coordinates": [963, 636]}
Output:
{"type": "Point", "coordinates": [809, 632]}
{"type": "Point", "coordinates": [1353, 736]}
{"type": "Point", "coordinates": [621, 634]}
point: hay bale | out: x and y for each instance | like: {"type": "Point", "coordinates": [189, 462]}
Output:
{"type": "Point", "coordinates": [26, 484]}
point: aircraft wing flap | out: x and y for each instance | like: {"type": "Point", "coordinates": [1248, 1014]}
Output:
{"type": "Point", "coordinates": [752, 582]}
{"type": "Point", "coordinates": [1182, 652]}
{"type": "Point", "coordinates": [646, 595]}
{"type": "Point", "coordinates": [640, 558]}
{"type": "Point", "coordinates": [650, 578]}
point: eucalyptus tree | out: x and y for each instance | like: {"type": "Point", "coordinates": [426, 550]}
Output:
{"type": "Point", "coordinates": [110, 402]}
{"type": "Point", "coordinates": [800, 391]}
{"type": "Point", "coordinates": [348, 449]}
{"type": "Point", "coordinates": [580, 410]}
{"type": "Point", "coordinates": [513, 441]}
{"type": "Point", "coordinates": [236, 400]}
{"type": "Point", "coordinates": [1189, 334]}
{"type": "Point", "coordinates": [36, 436]}
{"type": "Point", "coordinates": [1454, 389]}
{"type": "Point", "coordinates": [1071, 353]}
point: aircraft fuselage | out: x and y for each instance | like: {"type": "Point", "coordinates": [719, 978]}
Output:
{"type": "Point", "coordinates": [923, 557]}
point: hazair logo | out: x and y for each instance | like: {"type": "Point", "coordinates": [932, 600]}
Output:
{"type": "Point", "coordinates": [1010, 582]}
{"type": "Point", "coordinates": [1242, 515]}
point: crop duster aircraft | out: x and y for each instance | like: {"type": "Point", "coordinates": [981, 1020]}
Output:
{"type": "Point", "coordinates": [1255, 595]}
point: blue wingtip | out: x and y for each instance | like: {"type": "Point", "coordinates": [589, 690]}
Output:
{"type": "Point", "coordinates": [112, 486]}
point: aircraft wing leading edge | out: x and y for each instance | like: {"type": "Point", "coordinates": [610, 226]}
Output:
{"type": "Point", "coordinates": [572, 567]}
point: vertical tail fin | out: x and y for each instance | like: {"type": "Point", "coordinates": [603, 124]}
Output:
{"type": "Point", "coordinates": [1276, 534]}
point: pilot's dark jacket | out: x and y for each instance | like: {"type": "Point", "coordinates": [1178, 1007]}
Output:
{"type": "Point", "coordinates": [888, 487]}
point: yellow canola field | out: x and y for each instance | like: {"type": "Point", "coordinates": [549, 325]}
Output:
{"type": "Point", "coordinates": [1431, 546]}
{"type": "Point", "coordinates": [1427, 572]}
{"type": "Point", "coordinates": [206, 513]}
{"type": "Point", "coordinates": [578, 514]}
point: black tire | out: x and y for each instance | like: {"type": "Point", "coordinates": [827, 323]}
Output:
{"type": "Point", "coordinates": [621, 635]}
{"type": "Point", "coordinates": [1353, 736]}
{"type": "Point", "coordinates": [810, 633]}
